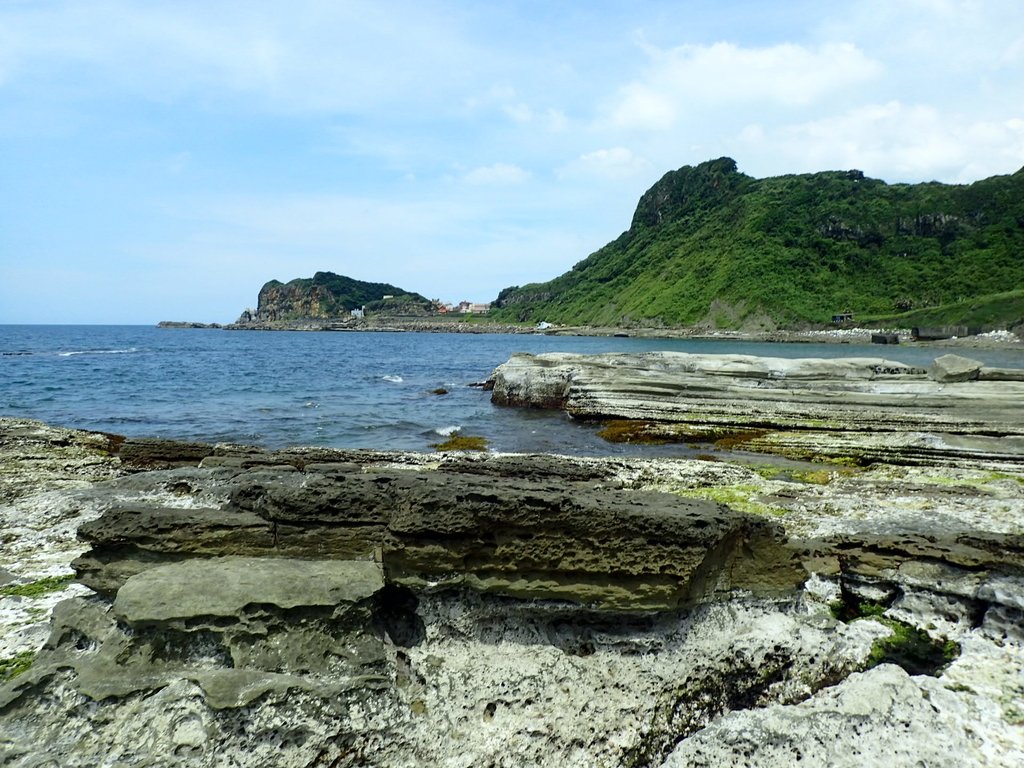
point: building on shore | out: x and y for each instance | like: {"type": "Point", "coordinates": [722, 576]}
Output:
{"type": "Point", "coordinates": [473, 308]}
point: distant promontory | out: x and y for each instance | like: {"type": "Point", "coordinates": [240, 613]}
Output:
{"type": "Point", "coordinates": [330, 297]}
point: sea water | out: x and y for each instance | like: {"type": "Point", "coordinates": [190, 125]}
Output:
{"type": "Point", "coordinates": [346, 390]}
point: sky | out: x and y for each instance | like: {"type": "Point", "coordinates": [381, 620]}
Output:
{"type": "Point", "coordinates": [161, 160]}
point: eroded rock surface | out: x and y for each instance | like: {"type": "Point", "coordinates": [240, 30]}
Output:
{"type": "Point", "coordinates": [313, 607]}
{"type": "Point", "coordinates": [852, 409]}
{"type": "Point", "coordinates": [534, 539]}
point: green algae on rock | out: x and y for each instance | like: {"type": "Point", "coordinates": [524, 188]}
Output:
{"type": "Point", "coordinates": [460, 442]}
{"type": "Point", "coordinates": [37, 588]}
{"type": "Point", "coordinates": [14, 666]}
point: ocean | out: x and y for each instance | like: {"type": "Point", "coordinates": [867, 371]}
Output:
{"type": "Point", "coordinates": [345, 390]}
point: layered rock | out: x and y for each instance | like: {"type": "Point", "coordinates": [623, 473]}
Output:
{"type": "Point", "coordinates": [861, 409]}
{"type": "Point", "coordinates": [318, 607]}
{"type": "Point", "coordinates": [533, 539]}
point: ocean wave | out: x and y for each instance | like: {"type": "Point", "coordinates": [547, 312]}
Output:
{"type": "Point", "coordinates": [393, 378]}
{"type": "Point", "coordinates": [447, 431]}
{"type": "Point", "coordinates": [77, 352]}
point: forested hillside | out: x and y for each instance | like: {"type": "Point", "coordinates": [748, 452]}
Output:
{"type": "Point", "coordinates": [711, 245]}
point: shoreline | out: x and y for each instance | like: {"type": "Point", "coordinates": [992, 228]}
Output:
{"type": "Point", "coordinates": [868, 546]}
{"type": "Point", "coordinates": [990, 339]}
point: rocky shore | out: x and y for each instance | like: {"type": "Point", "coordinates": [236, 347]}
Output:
{"type": "Point", "coordinates": [832, 335]}
{"type": "Point", "coordinates": [858, 605]}
{"type": "Point", "coordinates": [852, 411]}
{"type": "Point", "coordinates": [384, 324]}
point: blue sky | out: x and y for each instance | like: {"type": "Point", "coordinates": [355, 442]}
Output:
{"type": "Point", "coordinates": [162, 160]}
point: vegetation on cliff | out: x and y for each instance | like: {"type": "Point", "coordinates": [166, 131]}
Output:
{"type": "Point", "coordinates": [327, 295]}
{"type": "Point", "coordinates": [709, 244]}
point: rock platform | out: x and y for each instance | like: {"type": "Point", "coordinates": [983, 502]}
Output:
{"type": "Point", "coordinates": [317, 607]}
{"type": "Point", "coordinates": [957, 412]}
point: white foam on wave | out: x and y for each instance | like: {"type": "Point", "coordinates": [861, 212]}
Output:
{"type": "Point", "coordinates": [73, 353]}
{"type": "Point", "coordinates": [446, 431]}
{"type": "Point", "coordinates": [393, 378]}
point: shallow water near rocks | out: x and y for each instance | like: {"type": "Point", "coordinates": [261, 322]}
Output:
{"type": "Point", "coordinates": [347, 390]}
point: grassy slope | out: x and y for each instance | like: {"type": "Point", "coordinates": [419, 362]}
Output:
{"type": "Point", "coordinates": [993, 310]}
{"type": "Point", "coordinates": [795, 249]}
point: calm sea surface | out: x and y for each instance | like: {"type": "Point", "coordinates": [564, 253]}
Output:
{"type": "Point", "coordinates": [351, 390]}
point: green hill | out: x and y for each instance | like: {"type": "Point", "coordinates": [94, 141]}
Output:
{"type": "Point", "coordinates": [327, 296]}
{"type": "Point", "coordinates": [710, 245]}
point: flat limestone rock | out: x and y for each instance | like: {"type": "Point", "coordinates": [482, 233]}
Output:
{"type": "Point", "coordinates": [155, 453]}
{"type": "Point", "coordinates": [224, 586]}
{"type": "Point", "coordinates": [37, 457]}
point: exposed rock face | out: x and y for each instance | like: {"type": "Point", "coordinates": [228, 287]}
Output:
{"type": "Point", "coordinates": [810, 733]}
{"type": "Point", "coordinates": [603, 548]}
{"type": "Point", "coordinates": [327, 296]}
{"type": "Point", "coordinates": [865, 409]}
{"type": "Point", "coordinates": [281, 301]}
{"type": "Point", "coordinates": [312, 607]}
{"type": "Point", "coordinates": [148, 453]}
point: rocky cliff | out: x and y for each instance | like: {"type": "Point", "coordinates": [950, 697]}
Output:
{"type": "Point", "coordinates": [327, 296]}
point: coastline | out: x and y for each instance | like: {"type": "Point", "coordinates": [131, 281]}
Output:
{"type": "Point", "coordinates": [990, 339]}
{"type": "Point", "coordinates": [845, 560]}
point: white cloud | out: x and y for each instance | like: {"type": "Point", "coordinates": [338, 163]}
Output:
{"type": "Point", "coordinates": [613, 163]}
{"type": "Point", "coordinates": [519, 112]}
{"type": "Point", "coordinates": [951, 33]}
{"type": "Point", "coordinates": [178, 162]}
{"type": "Point", "coordinates": [898, 142]}
{"type": "Point", "coordinates": [551, 119]}
{"type": "Point", "coordinates": [646, 107]}
{"type": "Point", "coordinates": [507, 100]}
{"type": "Point", "coordinates": [497, 174]}
{"type": "Point", "coordinates": [459, 245]}
{"type": "Point", "coordinates": [318, 134]}
{"type": "Point", "coordinates": [963, 55]}
{"type": "Point", "coordinates": [328, 220]}
{"type": "Point", "coordinates": [692, 78]}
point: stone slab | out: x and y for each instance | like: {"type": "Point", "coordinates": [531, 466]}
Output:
{"type": "Point", "coordinates": [224, 586]}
